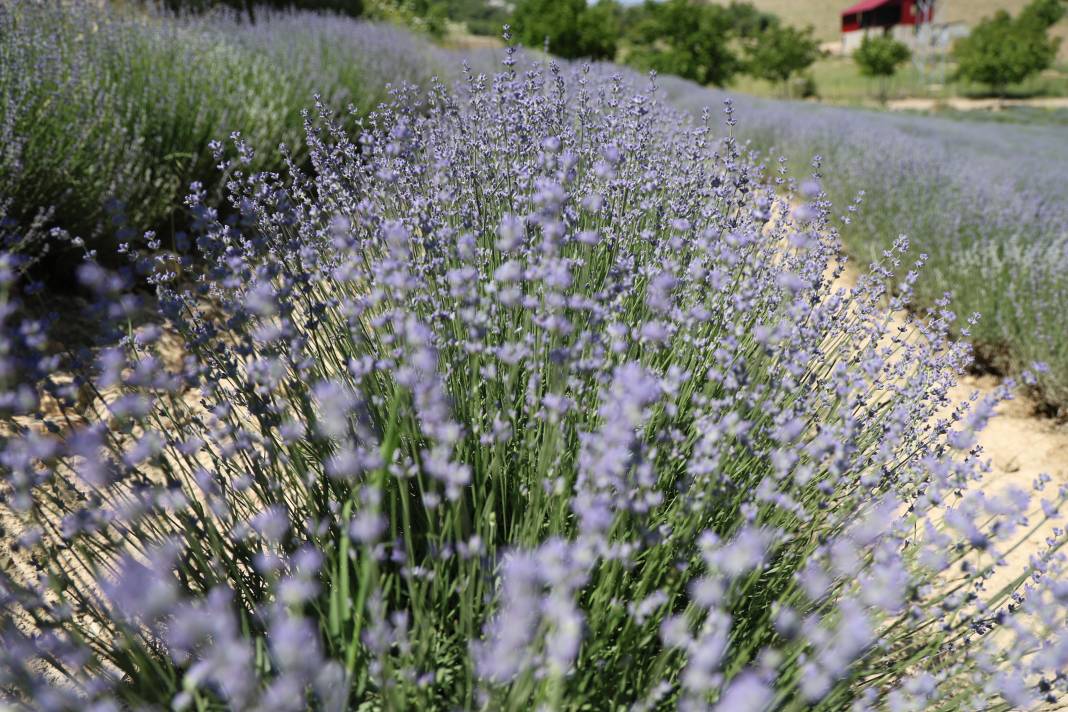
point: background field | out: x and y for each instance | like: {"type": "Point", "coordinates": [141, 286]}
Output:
{"type": "Point", "coordinates": [838, 80]}
{"type": "Point", "coordinates": [984, 202]}
{"type": "Point", "coordinates": [823, 15]}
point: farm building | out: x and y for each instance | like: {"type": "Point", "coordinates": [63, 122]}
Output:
{"type": "Point", "coordinates": [910, 21]}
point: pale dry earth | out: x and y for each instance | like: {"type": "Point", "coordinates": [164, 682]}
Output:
{"type": "Point", "coordinates": [965, 104]}
{"type": "Point", "coordinates": [1020, 446]}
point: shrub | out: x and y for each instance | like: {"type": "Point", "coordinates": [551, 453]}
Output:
{"type": "Point", "coordinates": [804, 86]}
{"type": "Point", "coordinates": [480, 17]}
{"type": "Point", "coordinates": [539, 398]}
{"type": "Point", "coordinates": [572, 28]}
{"type": "Point", "coordinates": [599, 27]}
{"type": "Point", "coordinates": [748, 22]}
{"type": "Point", "coordinates": [1001, 51]}
{"type": "Point", "coordinates": [687, 39]}
{"type": "Point", "coordinates": [879, 57]}
{"type": "Point", "coordinates": [424, 16]}
{"type": "Point", "coordinates": [780, 52]}
{"type": "Point", "coordinates": [1043, 13]}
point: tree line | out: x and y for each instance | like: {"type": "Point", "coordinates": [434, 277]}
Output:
{"type": "Point", "coordinates": [706, 43]}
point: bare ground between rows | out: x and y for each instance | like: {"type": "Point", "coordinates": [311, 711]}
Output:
{"type": "Point", "coordinates": [1019, 444]}
{"type": "Point", "coordinates": [1019, 441]}
{"type": "Point", "coordinates": [967, 104]}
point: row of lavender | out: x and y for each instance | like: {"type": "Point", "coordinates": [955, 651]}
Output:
{"type": "Point", "coordinates": [530, 393]}
{"type": "Point", "coordinates": [985, 202]}
{"type": "Point", "coordinates": [106, 120]}
{"type": "Point", "coordinates": [106, 116]}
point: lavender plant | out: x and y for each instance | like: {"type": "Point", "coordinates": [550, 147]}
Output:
{"type": "Point", "coordinates": [107, 110]}
{"type": "Point", "coordinates": [984, 202]}
{"type": "Point", "coordinates": [107, 116]}
{"type": "Point", "coordinates": [539, 396]}
{"type": "Point", "coordinates": [347, 62]}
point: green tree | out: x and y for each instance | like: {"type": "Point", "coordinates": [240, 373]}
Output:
{"type": "Point", "coordinates": [1044, 13]}
{"type": "Point", "coordinates": [687, 39]}
{"type": "Point", "coordinates": [747, 21]}
{"type": "Point", "coordinates": [479, 16]}
{"type": "Point", "coordinates": [780, 51]}
{"type": "Point", "coordinates": [599, 28]}
{"type": "Point", "coordinates": [571, 27]}
{"type": "Point", "coordinates": [429, 16]}
{"type": "Point", "coordinates": [879, 57]}
{"type": "Point", "coordinates": [1001, 51]}
{"type": "Point", "coordinates": [434, 16]}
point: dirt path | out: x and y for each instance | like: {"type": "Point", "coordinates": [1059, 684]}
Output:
{"type": "Point", "coordinates": [1020, 447]}
{"type": "Point", "coordinates": [1020, 444]}
{"type": "Point", "coordinates": [965, 104]}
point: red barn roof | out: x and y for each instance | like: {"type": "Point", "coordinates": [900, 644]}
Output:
{"type": "Point", "coordinates": [865, 5]}
{"type": "Point", "coordinates": [881, 13]}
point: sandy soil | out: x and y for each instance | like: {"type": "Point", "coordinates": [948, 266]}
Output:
{"type": "Point", "coordinates": [965, 104]}
{"type": "Point", "coordinates": [1020, 446]}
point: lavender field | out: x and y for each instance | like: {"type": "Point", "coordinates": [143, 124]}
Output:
{"type": "Point", "coordinates": [505, 383]}
{"type": "Point", "coordinates": [984, 202]}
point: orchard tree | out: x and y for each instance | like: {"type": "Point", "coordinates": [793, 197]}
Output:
{"type": "Point", "coordinates": [1001, 51]}
{"type": "Point", "coordinates": [554, 21]}
{"type": "Point", "coordinates": [430, 16]}
{"type": "Point", "coordinates": [685, 38]}
{"type": "Point", "coordinates": [747, 21]}
{"type": "Point", "coordinates": [1044, 13]}
{"type": "Point", "coordinates": [599, 29]}
{"type": "Point", "coordinates": [571, 27]}
{"type": "Point", "coordinates": [780, 51]}
{"type": "Point", "coordinates": [879, 57]}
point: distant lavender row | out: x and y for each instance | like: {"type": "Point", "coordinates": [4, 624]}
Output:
{"type": "Point", "coordinates": [986, 202]}
{"type": "Point", "coordinates": [106, 117]}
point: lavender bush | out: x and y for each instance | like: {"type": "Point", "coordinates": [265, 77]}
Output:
{"type": "Point", "coordinates": [984, 201]}
{"type": "Point", "coordinates": [90, 102]}
{"type": "Point", "coordinates": [106, 117]}
{"type": "Point", "coordinates": [347, 62]}
{"type": "Point", "coordinates": [537, 397]}
{"type": "Point", "coordinates": [111, 116]}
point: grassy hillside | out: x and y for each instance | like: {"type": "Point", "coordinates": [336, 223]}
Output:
{"type": "Point", "coordinates": [823, 15]}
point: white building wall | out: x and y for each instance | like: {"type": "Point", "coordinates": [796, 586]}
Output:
{"type": "Point", "coordinates": [944, 34]}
